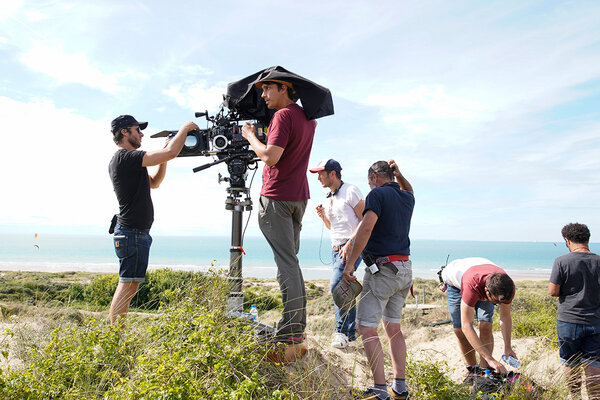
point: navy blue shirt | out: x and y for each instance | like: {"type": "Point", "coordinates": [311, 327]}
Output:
{"type": "Point", "coordinates": [394, 208]}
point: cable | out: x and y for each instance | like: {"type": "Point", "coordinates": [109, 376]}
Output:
{"type": "Point", "coordinates": [250, 213]}
{"type": "Point", "coordinates": [321, 244]}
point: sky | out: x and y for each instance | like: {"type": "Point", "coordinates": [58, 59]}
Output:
{"type": "Point", "coordinates": [491, 109]}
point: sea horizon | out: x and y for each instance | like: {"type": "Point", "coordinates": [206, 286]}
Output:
{"type": "Point", "coordinates": [95, 253]}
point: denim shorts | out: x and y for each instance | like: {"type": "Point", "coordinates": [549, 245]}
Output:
{"type": "Point", "coordinates": [578, 343]}
{"type": "Point", "coordinates": [132, 246]}
{"type": "Point", "coordinates": [384, 294]}
{"type": "Point", "coordinates": [484, 310]}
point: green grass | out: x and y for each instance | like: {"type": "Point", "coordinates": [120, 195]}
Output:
{"type": "Point", "coordinates": [187, 348]}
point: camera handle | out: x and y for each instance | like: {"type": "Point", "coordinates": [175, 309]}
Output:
{"type": "Point", "coordinates": [205, 166]}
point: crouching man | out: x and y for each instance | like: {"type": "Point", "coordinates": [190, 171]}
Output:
{"type": "Point", "coordinates": [476, 285]}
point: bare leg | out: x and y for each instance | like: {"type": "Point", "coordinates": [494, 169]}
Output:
{"type": "Point", "coordinates": [573, 375]}
{"type": "Point", "coordinates": [592, 380]}
{"type": "Point", "coordinates": [374, 353]}
{"type": "Point", "coordinates": [120, 303]}
{"type": "Point", "coordinates": [465, 347]}
{"type": "Point", "coordinates": [397, 348]}
{"type": "Point", "coordinates": [487, 338]}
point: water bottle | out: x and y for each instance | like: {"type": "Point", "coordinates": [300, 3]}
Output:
{"type": "Point", "coordinates": [254, 312]}
{"type": "Point", "coordinates": [510, 360]}
{"type": "Point", "coordinates": [486, 373]}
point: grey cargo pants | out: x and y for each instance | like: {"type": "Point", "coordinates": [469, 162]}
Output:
{"type": "Point", "coordinates": [280, 223]}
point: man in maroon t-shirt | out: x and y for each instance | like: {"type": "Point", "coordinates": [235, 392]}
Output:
{"type": "Point", "coordinates": [284, 196]}
{"type": "Point", "coordinates": [474, 286]}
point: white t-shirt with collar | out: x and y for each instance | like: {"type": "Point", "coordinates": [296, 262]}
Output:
{"type": "Point", "coordinates": [341, 213]}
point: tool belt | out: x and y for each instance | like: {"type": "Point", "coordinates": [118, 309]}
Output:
{"type": "Point", "coordinates": [383, 261]}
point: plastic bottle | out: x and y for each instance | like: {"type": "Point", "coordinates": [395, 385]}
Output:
{"type": "Point", "coordinates": [510, 360]}
{"type": "Point", "coordinates": [254, 312]}
{"type": "Point", "coordinates": [486, 373]}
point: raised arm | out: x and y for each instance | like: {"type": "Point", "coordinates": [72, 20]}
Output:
{"type": "Point", "coordinates": [404, 184]}
{"type": "Point", "coordinates": [268, 153]}
{"type": "Point", "coordinates": [171, 150]}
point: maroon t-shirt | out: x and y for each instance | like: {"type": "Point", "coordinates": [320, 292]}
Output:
{"type": "Point", "coordinates": [472, 284]}
{"type": "Point", "coordinates": [290, 130]}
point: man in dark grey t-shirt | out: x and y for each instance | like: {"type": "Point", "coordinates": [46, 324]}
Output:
{"type": "Point", "coordinates": [575, 280]}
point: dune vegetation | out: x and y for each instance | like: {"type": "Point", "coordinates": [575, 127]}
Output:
{"type": "Point", "coordinates": [178, 343]}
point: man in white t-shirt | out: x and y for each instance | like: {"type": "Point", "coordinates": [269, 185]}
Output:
{"type": "Point", "coordinates": [342, 214]}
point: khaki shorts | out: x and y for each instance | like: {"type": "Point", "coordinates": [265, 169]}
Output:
{"type": "Point", "coordinates": [384, 294]}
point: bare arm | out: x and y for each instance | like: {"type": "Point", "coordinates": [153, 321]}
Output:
{"type": "Point", "coordinates": [347, 249]}
{"type": "Point", "coordinates": [363, 233]}
{"type": "Point", "coordinates": [467, 314]}
{"type": "Point", "coordinates": [553, 289]}
{"type": "Point", "coordinates": [359, 208]}
{"type": "Point", "coordinates": [404, 184]}
{"type": "Point", "coordinates": [171, 150]}
{"type": "Point", "coordinates": [157, 177]}
{"type": "Point", "coordinates": [269, 154]}
{"type": "Point", "coordinates": [506, 329]}
{"type": "Point", "coordinates": [321, 213]}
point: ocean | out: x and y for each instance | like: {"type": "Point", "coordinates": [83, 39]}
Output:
{"type": "Point", "coordinates": [56, 253]}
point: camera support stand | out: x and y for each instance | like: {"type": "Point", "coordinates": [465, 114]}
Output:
{"type": "Point", "coordinates": [236, 205]}
{"type": "Point", "coordinates": [237, 167]}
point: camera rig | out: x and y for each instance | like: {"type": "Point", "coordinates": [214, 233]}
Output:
{"type": "Point", "coordinates": [223, 139]}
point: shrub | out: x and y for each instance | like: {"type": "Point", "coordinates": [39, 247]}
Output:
{"type": "Point", "coordinates": [191, 351]}
{"type": "Point", "coordinates": [428, 381]}
{"type": "Point", "coordinates": [264, 299]}
{"type": "Point", "coordinates": [101, 289]}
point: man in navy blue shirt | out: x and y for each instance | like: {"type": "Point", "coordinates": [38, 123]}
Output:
{"type": "Point", "coordinates": [382, 237]}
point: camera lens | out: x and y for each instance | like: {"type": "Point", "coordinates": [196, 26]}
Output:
{"type": "Point", "coordinates": [219, 142]}
{"type": "Point", "coordinates": [191, 141]}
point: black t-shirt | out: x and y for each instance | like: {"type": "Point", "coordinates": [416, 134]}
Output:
{"type": "Point", "coordinates": [132, 186]}
{"type": "Point", "coordinates": [578, 275]}
{"type": "Point", "coordinates": [394, 208]}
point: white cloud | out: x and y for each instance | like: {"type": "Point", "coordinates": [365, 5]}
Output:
{"type": "Point", "coordinates": [35, 16]}
{"type": "Point", "coordinates": [198, 96]}
{"type": "Point", "coordinates": [69, 68]}
{"type": "Point", "coordinates": [9, 8]}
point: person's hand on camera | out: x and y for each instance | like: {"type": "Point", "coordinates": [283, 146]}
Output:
{"type": "Point", "coordinates": [248, 130]}
{"type": "Point", "coordinates": [189, 126]}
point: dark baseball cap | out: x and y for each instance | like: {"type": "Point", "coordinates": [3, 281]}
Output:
{"type": "Point", "coordinates": [327, 165]}
{"type": "Point", "coordinates": [344, 294]}
{"type": "Point", "coordinates": [123, 121]}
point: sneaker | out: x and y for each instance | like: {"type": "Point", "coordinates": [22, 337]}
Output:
{"type": "Point", "coordinates": [397, 396]}
{"type": "Point", "coordinates": [339, 341]}
{"type": "Point", "coordinates": [368, 394]}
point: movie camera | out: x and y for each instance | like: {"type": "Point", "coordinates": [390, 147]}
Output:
{"type": "Point", "coordinates": [223, 139]}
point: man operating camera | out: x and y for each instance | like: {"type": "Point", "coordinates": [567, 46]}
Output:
{"type": "Point", "coordinates": [284, 196]}
{"type": "Point", "coordinates": [132, 184]}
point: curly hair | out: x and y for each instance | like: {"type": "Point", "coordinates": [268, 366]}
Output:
{"type": "Point", "coordinates": [576, 233]}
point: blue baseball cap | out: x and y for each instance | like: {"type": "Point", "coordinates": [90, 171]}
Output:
{"type": "Point", "coordinates": [327, 165]}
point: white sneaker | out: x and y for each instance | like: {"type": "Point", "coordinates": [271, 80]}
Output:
{"type": "Point", "coordinates": [340, 341]}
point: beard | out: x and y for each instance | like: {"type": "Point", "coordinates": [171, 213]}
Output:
{"type": "Point", "coordinates": [134, 142]}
